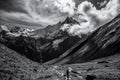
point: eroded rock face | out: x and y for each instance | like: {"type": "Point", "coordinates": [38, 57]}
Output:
{"type": "Point", "coordinates": [105, 41]}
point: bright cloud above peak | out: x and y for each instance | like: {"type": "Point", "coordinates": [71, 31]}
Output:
{"type": "Point", "coordinates": [94, 18]}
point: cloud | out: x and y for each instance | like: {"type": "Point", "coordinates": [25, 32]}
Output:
{"type": "Point", "coordinates": [66, 6]}
{"type": "Point", "coordinates": [110, 11]}
{"type": "Point", "coordinates": [8, 5]}
{"type": "Point", "coordinates": [102, 3]}
{"type": "Point", "coordinates": [94, 18]}
{"type": "Point", "coordinates": [36, 11]}
{"type": "Point", "coordinates": [19, 16]}
{"type": "Point", "coordinates": [42, 9]}
{"type": "Point", "coordinates": [50, 12]}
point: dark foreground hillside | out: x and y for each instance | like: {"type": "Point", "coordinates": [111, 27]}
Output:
{"type": "Point", "coordinates": [16, 67]}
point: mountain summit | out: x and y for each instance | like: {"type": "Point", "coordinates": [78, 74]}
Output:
{"type": "Point", "coordinates": [104, 41]}
{"type": "Point", "coordinates": [70, 20]}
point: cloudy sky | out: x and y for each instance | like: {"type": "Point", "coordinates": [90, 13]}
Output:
{"type": "Point", "coordinates": [33, 11]}
{"type": "Point", "coordinates": [48, 12]}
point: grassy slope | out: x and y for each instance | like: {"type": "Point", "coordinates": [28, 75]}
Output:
{"type": "Point", "coordinates": [16, 67]}
{"type": "Point", "coordinates": [102, 69]}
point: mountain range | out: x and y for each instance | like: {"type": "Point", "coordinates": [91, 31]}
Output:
{"type": "Point", "coordinates": [104, 41]}
{"type": "Point", "coordinates": [42, 43]}
{"type": "Point", "coordinates": [46, 54]}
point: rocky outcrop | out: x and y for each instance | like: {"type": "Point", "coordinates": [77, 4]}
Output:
{"type": "Point", "coordinates": [104, 41]}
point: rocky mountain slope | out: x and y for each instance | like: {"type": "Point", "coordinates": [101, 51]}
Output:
{"type": "Point", "coordinates": [53, 40]}
{"type": "Point", "coordinates": [39, 45]}
{"type": "Point", "coordinates": [105, 41]}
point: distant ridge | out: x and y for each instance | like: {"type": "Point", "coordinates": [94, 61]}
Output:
{"type": "Point", "coordinates": [3, 22]}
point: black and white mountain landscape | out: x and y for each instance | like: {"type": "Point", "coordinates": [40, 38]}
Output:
{"type": "Point", "coordinates": [60, 40]}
